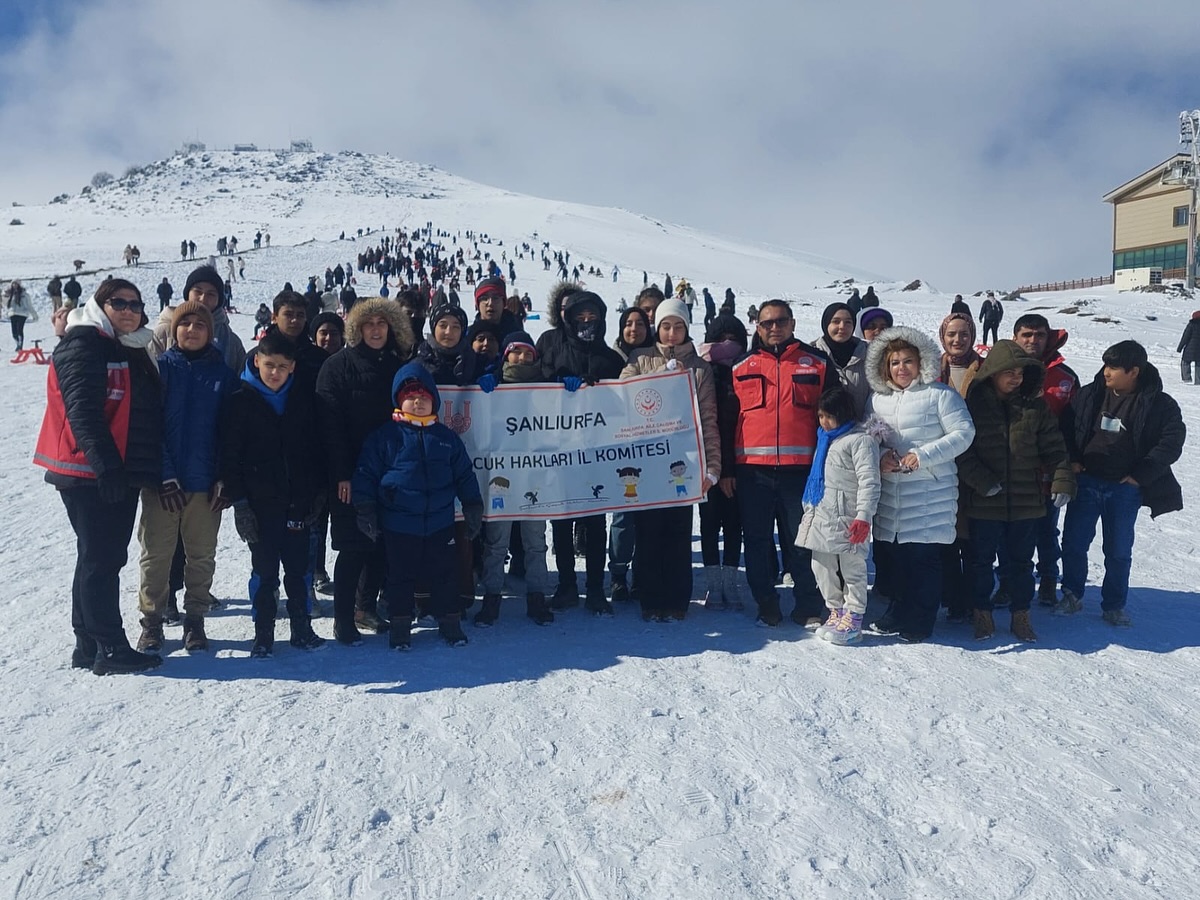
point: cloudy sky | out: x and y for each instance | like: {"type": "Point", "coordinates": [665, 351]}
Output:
{"type": "Point", "coordinates": [960, 142]}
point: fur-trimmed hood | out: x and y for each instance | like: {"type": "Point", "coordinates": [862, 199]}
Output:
{"type": "Point", "coordinates": [931, 357]}
{"type": "Point", "coordinates": [397, 320]}
{"type": "Point", "coordinates": [554, 300]}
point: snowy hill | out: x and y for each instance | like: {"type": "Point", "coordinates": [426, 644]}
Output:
{"type": "Point", "coordinates": [591, 759]}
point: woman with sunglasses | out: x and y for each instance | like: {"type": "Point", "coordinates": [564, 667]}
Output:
{"type": "Point", "coordinates": [101, 441]}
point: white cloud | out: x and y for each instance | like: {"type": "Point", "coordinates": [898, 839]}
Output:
{"type": "Point", "coordinates": [964, 144]}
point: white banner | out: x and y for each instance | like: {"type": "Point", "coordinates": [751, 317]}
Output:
{"type": "Point", "coordinates": [540, 451]}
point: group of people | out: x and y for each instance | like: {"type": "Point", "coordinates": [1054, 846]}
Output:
{"type": "Point", "coordinates": [940, 461]}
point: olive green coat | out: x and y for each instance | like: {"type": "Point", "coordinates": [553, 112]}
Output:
{"type": "Point", "coordinates": [1017, 439]}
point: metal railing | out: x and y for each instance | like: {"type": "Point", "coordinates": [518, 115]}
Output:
{"type": "Point", "coordinates": [1072, 285]}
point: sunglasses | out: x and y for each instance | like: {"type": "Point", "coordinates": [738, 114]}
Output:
{"type": "Point", "coordinates": [120, 305]}
{"type": "Point", "coordinates": [768, 324]}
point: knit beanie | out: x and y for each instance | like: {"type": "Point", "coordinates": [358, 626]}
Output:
{"type": "Point", "coordinates": [482, 325]}
{"type": "Point", "coordinates": [517, 339]}
{"type": "Point", "coordinates": [412, 388]}
{"type": "Point", "coordinates": [326, 318]}
{"type": "Point", "coordinates": [206, 275]}
{"type": "Point", "coordinates": [441, 312]}
{"type": "Point", "coordinates": [868, 317]}
{"type": "Point", "coordinates": [492, 285]}
{"type": "Point", "coordinates": [191, 308]}
{"type": "Point", "coordinates": [727, 323]}
{"type": "Point", "coordinates": [671, 307]}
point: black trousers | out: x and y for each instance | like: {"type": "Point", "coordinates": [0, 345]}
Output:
{"type": "Point", "coordinates": [432, 557]}
{"type": "Point", "coordinates": [278, 545]}
{"type": "Point", "coordinates": [595, 549]}
{"type": "Point", "coordinates": [719, 515]}
{"type": "Point", "coordinates": [102, 534]}
{"type": "Point", "coordinates": [662, 558]}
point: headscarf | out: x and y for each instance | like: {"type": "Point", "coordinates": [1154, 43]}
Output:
{"type": "Point", "coordinates": [965, 360]}
{"type": "Point", "coordinates": [841, 351]}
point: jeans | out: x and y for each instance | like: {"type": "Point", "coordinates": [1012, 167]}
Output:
{"type": "Point", "coordinates": [1017, 540]}
{"type": "Point", "coordinates": [102, 533]}
{"type": "Point", "coordinates": [765, 493]}
{"type": "Point", "coordinates": [1116, 505]}
{"type": "Point", "coordinates": [1048, 551]}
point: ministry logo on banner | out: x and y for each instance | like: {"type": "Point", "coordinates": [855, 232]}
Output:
{"type": "Point", "coordinates": [542, 452]}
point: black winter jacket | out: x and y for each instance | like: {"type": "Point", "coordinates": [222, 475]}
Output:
{"type": "Point", "coordinates": [1156, 425]}
{"type": "Point", "coordinates": [354, 397]}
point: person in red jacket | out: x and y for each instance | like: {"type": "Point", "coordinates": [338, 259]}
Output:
{"type": "Point", "coordinates": [777, 386]}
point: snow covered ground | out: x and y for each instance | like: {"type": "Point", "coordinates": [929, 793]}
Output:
{"type": "Point", "coordinates": [591, 759]}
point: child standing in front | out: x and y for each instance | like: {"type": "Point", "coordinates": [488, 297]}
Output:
{"type": "Point", "coordinates": [839, 503]}
{"type": "Point", "coordinates": [273, 474]}
{"type": "Point", "coordinates": [409, 472]}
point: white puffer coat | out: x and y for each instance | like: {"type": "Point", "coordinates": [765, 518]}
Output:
{"type": "Point", "coordinates": [930, 419]}
{"type": "Point", "coordinates": [851, 492]}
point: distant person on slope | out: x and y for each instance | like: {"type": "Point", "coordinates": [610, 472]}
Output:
{"type": "Point", "coordinates": [1189, 346]}
{"type": "Point", "coordinates": [991, 313]}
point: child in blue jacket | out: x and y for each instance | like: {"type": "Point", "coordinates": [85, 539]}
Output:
{"type": "Point", "coordinates": [409, 472]}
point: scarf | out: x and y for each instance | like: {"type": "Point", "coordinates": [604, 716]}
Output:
{"type": "Point", "coordinates": [519, 373]}
{"type": "Point", "coordinates": [814, 489]}
{"type": "Point", "coordinates": [399, 415]}
{"type": "Point", "coordinates": [840, 352]}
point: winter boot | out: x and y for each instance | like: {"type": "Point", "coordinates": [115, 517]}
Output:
{"type": "Point", "coordinates": [172, 616]}
{"type": "Point", "coordinates": [984, 626]}
{"type": "Point", "coordinates": [194, 638]}
{"type": "Point", "coordinates": [566, 596]}
{"type": "Point", "coordinates": [596, 603]}
{"type": "Point", "coordinates": [1047, 592]}
{"type": "Point", "coordinates": [84, 654]}
{"type": "Point", "coordinates": [620, 585]}
{"type": "Point", "coordinates": [835, 616]}
{"type": "Point", "coordinates": [400, 633]}
{"type": "Point", "coordinates": [112, 659]}
{"type": "Point", "coordinates": [151, 639]}
{"type": "Point", "coordinates": [450, 628]}
{"type": "Point", "coordinates": [1068, 605]}
{"type": "Point", "coordinates": [1021, 627]}
{"type": "Point", "coordinates": [714, 594]}
{"type": "Point", "coordinates": [731, 587]}
{"type": "Point", "coordinates": [769, 614]}
{"type": "Point", "coordinates": [848, 631]}
{"type": "Point", "coordinates": [489, 612]}
{"type": "Point", "coordinates": [536, 609]}
{"type": "Point", "coordinates": [1116, 617]}
{"type": "Point", "coordinates": [303, 637]}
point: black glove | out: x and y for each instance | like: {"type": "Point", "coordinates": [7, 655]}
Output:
{"type": "Point", "coordinates": [367, 522]}
{"type": "Point", "coordinates": [113, 486]}
{"type": "Point", "coordinates": [171, 496]}
{"type": "Point", "coordinates": [473, 519]}
{"type": "Point", "coordinates": [245, 522]}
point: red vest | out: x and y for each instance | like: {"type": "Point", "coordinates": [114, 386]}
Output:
{"type": "Point", "coordinates": [57, 449]}
{"type": "Point", "coordinates": [777, 397]}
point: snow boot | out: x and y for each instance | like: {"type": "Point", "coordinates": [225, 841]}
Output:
{"type": "Point", "coordinates": [303, 637]}
{"type": "Point", "coordinates": [596, 603]}
{"type": "Point", "coordinates": [151, 639]}
{"type": "Point", "coordinates": [566, 596]}
{"type": "Point", "coordinates": [731, 587]}
{"type": "Point", "coordinates": [1021, 626]}
{"type": "Point", "coordinates": [194, 638]}
{"type": "Point", "coordinates": [1047, 592]}
{"type": "Point", "coordinates": [84, 654]}
{"type": "Point", "coordinates": [714, 594]}
{"type": "Point", "coordinates": [984, 626]}
{"type": "Point", "coordinates": [400, 633]}
{"type": "Point", "coordinates": [848, 631]}
{"type": "Point", "coordinates": [112, 659]}
{"type": "Point", "coordinates": [450, 628]}
{"type": "Point", "coordinates": [536, 609]}
{"type": "Point", "coordinates": [620, 585]}
{"type": "Point", "coordinates": [1117, 617]}
{"type": "Point", "coordinates": [489, 612]}
{"type": "Point", "coordinates": [835, 617]}
{"type": "Point", "coordinates": [769, 614]}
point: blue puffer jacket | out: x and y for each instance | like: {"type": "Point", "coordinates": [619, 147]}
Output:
{"type": "Point", "coordinates": [194, 393]}
{"type": "Point", "coordinates": [411, 474]}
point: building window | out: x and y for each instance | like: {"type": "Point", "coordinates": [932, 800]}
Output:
{"type": "Point", "coordinates": [1179, 217]}
{"type": "Point", "coordinates": [1171, 256]}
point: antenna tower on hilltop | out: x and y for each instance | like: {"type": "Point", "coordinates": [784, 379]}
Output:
{"type": "Point", "coordinates": [1187, 173]}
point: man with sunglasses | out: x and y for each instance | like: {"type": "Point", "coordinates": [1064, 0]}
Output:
{"type": "Point", "coordinates": [777, 386]}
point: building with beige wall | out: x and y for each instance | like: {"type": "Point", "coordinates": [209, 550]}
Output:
{"type": "Point", "coordinates": [1150, 221]}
